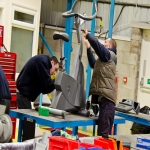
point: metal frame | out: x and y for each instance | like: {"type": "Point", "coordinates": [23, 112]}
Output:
{"type": "Point", "coordinates": [58, 122]}
{"type": "Point", "coordinates": [134, 118]}
{"type": "Point", "coordinates": [88, 70]}
{"type": "Point", "coordinates": [111, 18]}
{"type": "Point", "coordinates": [68, 30]}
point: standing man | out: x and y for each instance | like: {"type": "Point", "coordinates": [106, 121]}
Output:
{"type": "Point", "coordinates": [5, 95]}
{"type": "Point", "coordinates": [103, 85]}
{"type": "Point", "coordinates": [34, 79]}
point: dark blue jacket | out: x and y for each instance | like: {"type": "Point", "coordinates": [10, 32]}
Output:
{"type": "Point", "coordinates": [4, 88]}
{"type": "Point", "coordinates": [102, 52]}
{"type": "Point", "coordinates": [34, 78]}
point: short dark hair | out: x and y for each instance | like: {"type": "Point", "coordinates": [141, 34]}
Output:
{"type": "Point", "coordinates": [113, 43]}
{"type": "Point", "coordinates": [54, 59]}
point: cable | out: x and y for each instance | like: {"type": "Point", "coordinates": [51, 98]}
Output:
{"type": "Point", "coordinates": [114, 23]}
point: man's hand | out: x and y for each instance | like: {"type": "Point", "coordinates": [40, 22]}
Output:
{"type": "Point", "coordinates": [86, 41]}
{"type": "Point", "coordinates": [85, 32]}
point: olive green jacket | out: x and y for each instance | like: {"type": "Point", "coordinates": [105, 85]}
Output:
{"type": "Point", "coordinates": [103, 79]}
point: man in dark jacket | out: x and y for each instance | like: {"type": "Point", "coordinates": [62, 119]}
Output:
{"type": "Point", "coordinates": [34, 79]}
{"type": "Point", "coordinates": [103, 86]}
{"type": "Point", "coordinates": [5, 95]}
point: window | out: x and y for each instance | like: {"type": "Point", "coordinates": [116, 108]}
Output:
{"type": "Point", "coordinates": [21, 44]}
{"type": "Point", "coordinates": [23, 17]}
{"type": "Point", "coordinates": [22, 37]}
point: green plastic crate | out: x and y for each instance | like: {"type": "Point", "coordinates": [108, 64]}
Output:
{"type": "Point", "coordinates": [44, 112]}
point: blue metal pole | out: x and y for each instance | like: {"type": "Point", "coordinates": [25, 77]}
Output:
{"type": "Point", "coordinates": [52, 54]}
{"type": "Point", "coordinates": [41, 98]}
{"type": "Point", "coordinates": [68, 30]}
{"type": "Point", "coordinates": [88, 70]}
{"type": "Point", "coordinates": [112, 7]}
{"type": "Point", "coordinates": [46, 44]}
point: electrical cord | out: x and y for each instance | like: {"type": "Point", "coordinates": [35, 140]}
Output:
{"type": "Point", "coordinates": [114, 23]}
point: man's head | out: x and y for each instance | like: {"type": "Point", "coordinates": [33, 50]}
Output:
{"type": "Point", "coordinates": [110, 43]}
{"type": "Point", "coordinates": [55, 65]}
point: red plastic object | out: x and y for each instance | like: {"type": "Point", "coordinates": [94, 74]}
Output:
{"type": "Point", "coordinates": [87, 145]}
{"type": "Point", "coordinates": [101, 142]}
{"type": "Point", "coordinates": [1, 35]}
{"type": "Point", "coordinates": [109, 143]}
{"type": "Point", "coordinates": [60, 143]}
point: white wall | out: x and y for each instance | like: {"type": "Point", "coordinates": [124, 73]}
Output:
{"type": "Point", "coordinates": [7, 7]}
{"type": "Point", "coordinates": [144, 89]}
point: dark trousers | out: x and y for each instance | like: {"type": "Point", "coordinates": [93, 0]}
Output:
{"type": "Point", "coordinates": [23, 102]}
{"type": "Point", "coordinates": [106, 117]}
{"type": "Point", "coordinates": [6, 102]}
{"type": "Point", "coordinates": [28, 125]}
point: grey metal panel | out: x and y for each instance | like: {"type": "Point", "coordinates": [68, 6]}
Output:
{"type": "Point", "coordinates": [43, 14]}
{"type": "Point", "coordinates": [51, 11]}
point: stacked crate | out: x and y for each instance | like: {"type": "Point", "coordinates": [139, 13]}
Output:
{"type": "Point", "coordinates": [8, 64]}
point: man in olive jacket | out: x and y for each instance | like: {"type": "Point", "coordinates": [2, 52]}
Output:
{"type": "Point", "coordinates": [103, 86]}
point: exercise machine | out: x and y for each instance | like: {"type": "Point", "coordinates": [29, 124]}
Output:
{"type": "Point", "coordinates": [62, 37]}
{"type": "Point", "coordinates": [70, 93]}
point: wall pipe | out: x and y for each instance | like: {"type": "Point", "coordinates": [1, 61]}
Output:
{"type": "Point", "coordinates": [46, 44]}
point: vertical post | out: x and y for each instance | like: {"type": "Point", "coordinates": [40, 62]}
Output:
{"type": "Point", "coordinates": [41, 98]}
{"type": "Point", "coordinates": [88, 70]}
{"type": "Point", "coordinates": [67, 45]}
{"type": "Point", "coordinates": [111, 18]}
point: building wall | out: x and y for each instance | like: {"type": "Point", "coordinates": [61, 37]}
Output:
{"type": "Point", "coordinates": [6, 7]}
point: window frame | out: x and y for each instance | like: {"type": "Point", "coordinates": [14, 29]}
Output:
{"type": "Point", "coordinates": [21, 24]}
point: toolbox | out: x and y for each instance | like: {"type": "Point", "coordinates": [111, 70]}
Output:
{"type": "Point", "coordinates": [8, 64]}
